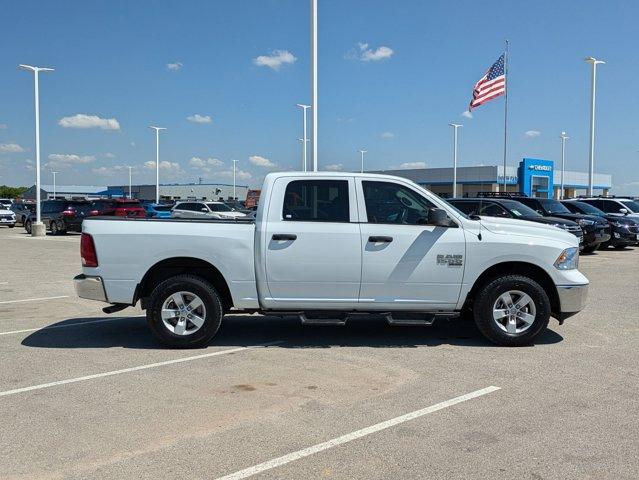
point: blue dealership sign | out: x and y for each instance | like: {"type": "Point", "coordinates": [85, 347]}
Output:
{"type": "Point", "coordinates": [536, 177]}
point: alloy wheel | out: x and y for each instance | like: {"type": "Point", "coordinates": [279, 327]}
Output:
{"type": "Point", "coordinates": [514, 312]}
{"type": "Point", "coordinates": [183, 313]}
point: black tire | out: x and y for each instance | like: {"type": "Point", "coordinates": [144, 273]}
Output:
{"type": "Point", "coordinates": [591, 248]}
{"type": "Point", "coordinates": [488, 295]}
{"type": "Point", "coordinates": [185, 283]}
{"type": "Point", "coordinates": [604, 246]}
{"type": "Point", "coordinates": [11, 226]}
{"type": "Point", "coordinates": [53, 226]}
{"type": "Point", "coordinates": [620, 247]}
{"type": "Point", "coordinates": [27, 227]}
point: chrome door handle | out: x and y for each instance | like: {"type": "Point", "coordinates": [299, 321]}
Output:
{"type": "Point", "coordinates": [284, 236]}
{"type": "Point", "coordinates": [380, 239]}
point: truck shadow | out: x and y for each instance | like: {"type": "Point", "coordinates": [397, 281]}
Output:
{"type": "Point", "coordinates": [245, 330]}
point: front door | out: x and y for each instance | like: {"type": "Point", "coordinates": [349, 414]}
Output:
{"type": "Point", "coordinates": [406, 263]}
{"type": "Point", "coordinates": [312, 244]}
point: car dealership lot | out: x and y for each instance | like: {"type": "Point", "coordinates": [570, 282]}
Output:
{"type": "Point", "coordinates": [87, 395]}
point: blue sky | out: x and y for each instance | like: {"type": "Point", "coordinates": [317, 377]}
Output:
{"type": "Point", "coordinates": [392, 76]}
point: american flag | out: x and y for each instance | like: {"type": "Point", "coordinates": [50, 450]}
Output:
{"type": "Point", "coordinates": [491, 85]}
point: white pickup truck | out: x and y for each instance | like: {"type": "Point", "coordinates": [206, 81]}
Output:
{"type": "Point", "coordinates": [330, 246]}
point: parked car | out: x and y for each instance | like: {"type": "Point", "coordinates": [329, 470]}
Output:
{"type": "Point", "coordinates": [596, 230]}
{"type": "Point", "coordinates": [118, 207]}
{"type": "Point", "coordinates": [506, 208]}
{"type": "Point", "coordinates": [7, 217]}
{"type": "Point", "coordinates": [22, 210]}
{"type": "Point", "coordinates": [202, 210]}
{"type": "Point", "coordinates": [237, 205]}
{"type": "Point", "coordinates": [157, 210]}
{"type": "Point", "coordinates": [60, 216]}
{"type": "Point", "coordinates": [620, 207]}
{"type": "Point", "coordinates": [625, 231]}
{"type": "Point", "coordinates": [326, 247]}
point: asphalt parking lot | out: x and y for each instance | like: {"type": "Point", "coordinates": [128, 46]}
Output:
{"type": "Point", "coordinates": [87, 395]}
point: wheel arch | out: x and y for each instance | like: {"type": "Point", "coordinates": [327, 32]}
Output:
{"type": "Point", "coordinates": [535, 272]}
{"type": "Point", "coordinates": [170, 267]}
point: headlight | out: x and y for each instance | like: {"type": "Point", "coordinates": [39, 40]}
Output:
{"type": "Point", "coordinates": [583, 222]}
{"type": "Point", "coordinates": [568, 260]}
{"type": "Point", "coordinates": [560, 225]}
{"type": "Point", "coordinates": [620, 225]}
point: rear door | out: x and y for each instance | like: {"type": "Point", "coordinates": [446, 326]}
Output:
{"type": "Point", "coordinates": [313, 255]}
{"type": "Point", "coordinates": [406, 263]}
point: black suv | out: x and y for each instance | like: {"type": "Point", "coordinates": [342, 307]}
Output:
{"type": "Point", "coordinates": [596, 230]}
{"type": "Point", "coordinates": [506, 208]}
{"type": "Point", "coordinates": [625, 231]}
{"type": "Point", "coordinates": [61, 216]}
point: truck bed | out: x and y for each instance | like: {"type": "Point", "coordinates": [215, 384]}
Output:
{"type": "Point", "coordinates": [130, 247]}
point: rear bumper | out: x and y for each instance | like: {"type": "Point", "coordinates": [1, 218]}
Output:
{"type": "Point", "coordinates": [572, 299]}
{"type": "Point", "coordinates": [91, 288]}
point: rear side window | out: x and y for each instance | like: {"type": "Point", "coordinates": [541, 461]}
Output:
{"type": "Point", "coordinates": [316, 201]}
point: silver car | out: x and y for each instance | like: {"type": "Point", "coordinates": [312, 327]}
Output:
{"type": "Point", "coordinates": [205, 210]}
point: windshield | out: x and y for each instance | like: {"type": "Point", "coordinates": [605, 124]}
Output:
{"type": "Point", "coordinates": [553, 206]}
{"type": "Point", "coordinates": [519, 209]}
{"type": "Point", "coordinates": [630, 205]}
{"type": "Point", "coordinates": [219, 207]}
{"type": "Point", "coordinates": [588, 209]}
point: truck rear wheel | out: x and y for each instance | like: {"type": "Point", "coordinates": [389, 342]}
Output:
{"type": "Point", "coordinates": [512, 310]}
{"type": "Point", "coordinates": [184, 311]}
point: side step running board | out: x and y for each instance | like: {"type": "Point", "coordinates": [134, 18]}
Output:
{"type": "Point", "coordinates": [321, 321]}
{"type": "Point", "coordinates": [416, 319]}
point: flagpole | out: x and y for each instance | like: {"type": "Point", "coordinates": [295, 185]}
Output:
{"type": "Point", "coordinates": [505, 111]}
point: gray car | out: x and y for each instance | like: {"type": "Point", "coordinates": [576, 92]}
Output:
{"type": "Point", "coordinates": [22, 211]}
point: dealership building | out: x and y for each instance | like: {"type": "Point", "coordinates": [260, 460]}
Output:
{"type": "Point", "coordinates": [534, 177]}
{"type": "Point", "coordinates": [183, 191]}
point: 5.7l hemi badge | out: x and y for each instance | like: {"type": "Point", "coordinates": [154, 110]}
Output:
{"type": "Point", "coordinates": [450, 260]}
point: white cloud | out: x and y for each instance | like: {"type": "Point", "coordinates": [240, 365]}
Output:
{"type": "Point", "coordinates": [66, 159]}
{"type": "Point", "coordinates": [106, 171]}
{"type": "Point", "coordinates": [3, 126]}
{"type": "Point", "coordinates": [366, 54]}
{"type": "Point", "coordinates": [30, 164]}
{"type": "Point", "coordinates": [532, 133]}
{"type": "Point", "coordinates": [275, 60]}
{"type": "Point", "coordinates": [133, 144]}
{"type": "Point", "coordinates": [197, 118]}
{"type": "Point", "coordinates": [174, 66]}
{"type": "Point", "coordinates": [10, 148]}
{"type": "Point", "coordinates": [82, 120]}
{"type": "Point", "coordinates": [335, 167]}
{"type": "Point", "coordinates": [239, 174]}
{"type": "Point", "coordinates": [387, 135]}
{"type": "Point", "coordinates": [409, 165]}
{"type": "Point", "coordinates": [205, 163]}
{"type": "Point", "coordinates": [260, 161]}
{"type": "Point", "coordinates": [108, 155]}
{"type": "Point", "coordinates": [467, 114]}
{"type": "Point", "coordinates": [171, 167]}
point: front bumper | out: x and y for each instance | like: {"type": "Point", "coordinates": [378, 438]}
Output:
{"type": "Point", "coordinates": [572, 299]}
{"type": "Point", "coordinates": [91, 288]}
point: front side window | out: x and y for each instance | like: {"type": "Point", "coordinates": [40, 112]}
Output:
{"type": "Point", "coordinates": [630, 205]}
{"type": "Point", "coordinates": [611, 206]}
{"type": "Point", "coordinates": [219, 207]}
{"type": "Point", "coordinates": [393, 203]}
{"type": "Point", "coordinates": [316, 201]}
{"type": "Point", "coordinates": [469, 208]}
{"type": "Point", "coordinates": [493, 210]}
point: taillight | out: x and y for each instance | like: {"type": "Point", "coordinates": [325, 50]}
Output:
{"type": "Point", "coordinates": [87, 251]}
{"type": "Point", "coordinates": [94, 213]}
{"type": "Point", "coordinates": [68, 213]}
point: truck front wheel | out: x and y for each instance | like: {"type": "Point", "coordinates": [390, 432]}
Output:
{"type": "Point", "coordinates": [184, 311]}
{"type": "Point", "coordinates": [512, 310]}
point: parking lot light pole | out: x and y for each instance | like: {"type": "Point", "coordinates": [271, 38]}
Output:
{"type": "Point", "coordinates": [54, 174]}
{"type": "Point", "coordinates": [314, 89]}
{"type": "Point", "coordinates": [593, 90]}
{"type": "Point", "coordinates": [157, 161]}
{"type": "Point", "coordinates": [455, 127]}
{"type": "Point", "coordinates": [37, 228]}
{"type": "Point", "coordinates": [130, 196]}
{"type": "Point", "coordinates": [305, 136]}
{"type": "Point", "coordinates": [362, 152]}
{"type": "Point", "coordinates": [234, 167]}
{"type": "Point", "coordinates": [563, 153]}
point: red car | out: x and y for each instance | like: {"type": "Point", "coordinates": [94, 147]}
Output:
{"type": "Point", "coordinates": [117, 207]}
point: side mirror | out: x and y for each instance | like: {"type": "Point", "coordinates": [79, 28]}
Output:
{"type": "Point", "coordinates": [438, 217]}
{"type": "Point", "coordinates": [624, 211]}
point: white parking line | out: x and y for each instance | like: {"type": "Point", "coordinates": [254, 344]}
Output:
{"type": "Point", "coordinates": [75, 324]}
{"type": "Point", "coordinates": [349, 437]}
{"type": "Point", "coordinates": [4, 283]}
{"type": "Point", "coordinates": [34, 299]}
{"type": "Point", "coordinates": [132, 369]}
